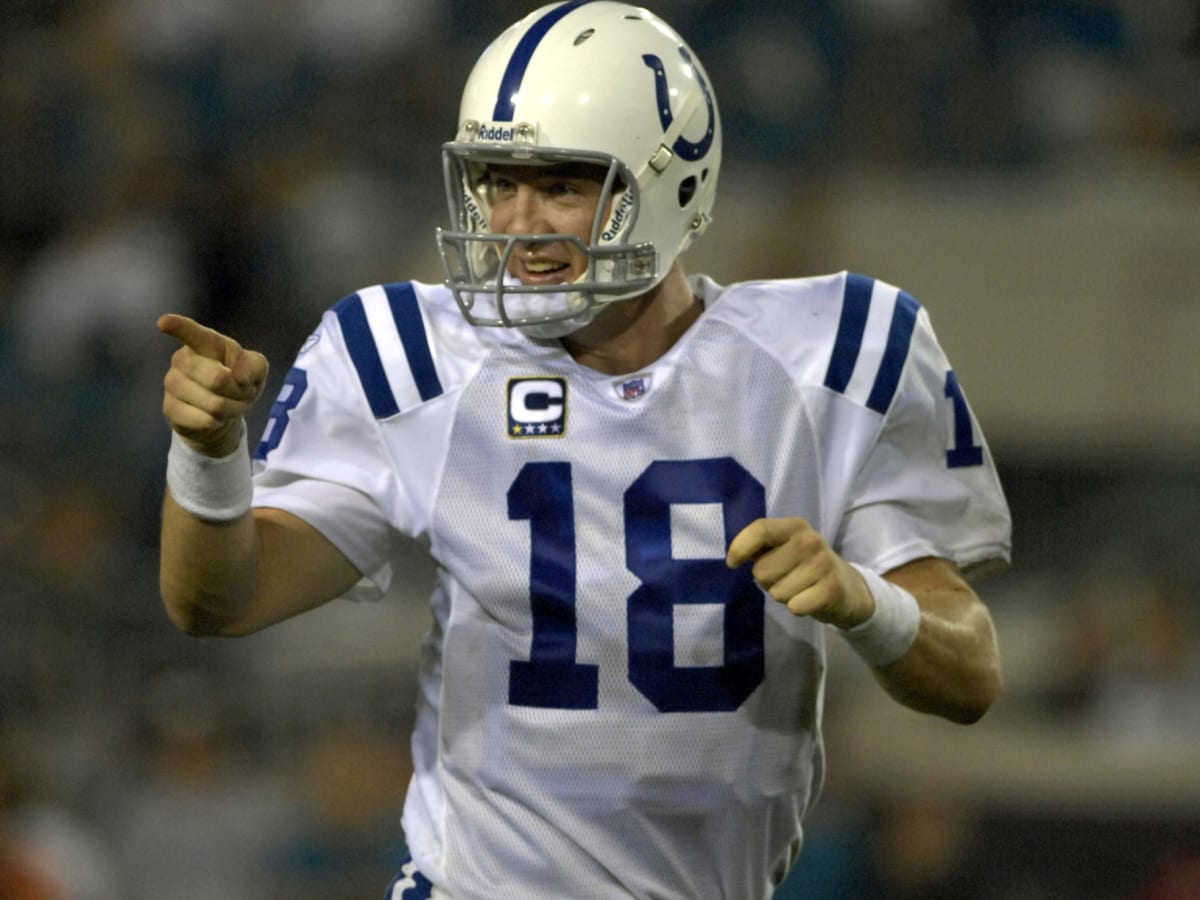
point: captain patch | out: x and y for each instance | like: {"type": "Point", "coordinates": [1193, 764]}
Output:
{"type": "Point", "coordinates": [537, 407]}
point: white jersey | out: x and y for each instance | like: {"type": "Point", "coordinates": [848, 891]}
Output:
{"type": "Point", "coordinates": [606, 710]}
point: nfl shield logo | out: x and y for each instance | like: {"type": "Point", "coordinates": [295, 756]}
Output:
{"type": "Point", "coordinates": [633, 388]}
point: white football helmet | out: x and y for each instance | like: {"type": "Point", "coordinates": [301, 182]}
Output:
{"type": "Point", "coordinates": [587, 81]}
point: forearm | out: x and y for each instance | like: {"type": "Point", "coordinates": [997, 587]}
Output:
{"type": "Point", "coordinates": [953, 667]}
{"type": "Point", "coordinates": [208, 571]}
{"type": "Point", "coordinates": [227, 569]}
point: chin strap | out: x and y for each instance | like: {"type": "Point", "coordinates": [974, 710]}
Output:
{"type": "Point", "coordinates": [661, 158]}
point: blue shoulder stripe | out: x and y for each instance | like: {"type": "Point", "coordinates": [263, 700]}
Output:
{"type": "Point", "coordinates": [856, 303]}
{"type": "Point", "coordinates": [888, 352]}
{"type": "Point", "coordinates": [403, 301]}
{"type": "Point", "coordinates": [904, 319]}
{"type": "Point", "coordinates": [365, 355]}
{"type": "Point", "coordinates": [510, 84]}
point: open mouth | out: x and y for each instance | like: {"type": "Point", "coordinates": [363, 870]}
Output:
{"type": "Point", "coordinates": [542, 270]}
{"type": "Point", "coordinates": [545, 266]}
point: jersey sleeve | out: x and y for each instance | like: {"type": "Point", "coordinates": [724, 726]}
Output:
{"type": "Point", "coordinates": [322, 459]}
{"type": "Point", "coordinates": [928, 485]}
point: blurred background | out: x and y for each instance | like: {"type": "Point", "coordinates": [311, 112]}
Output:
{"type": "Point", "coordinates": [1029, 169]}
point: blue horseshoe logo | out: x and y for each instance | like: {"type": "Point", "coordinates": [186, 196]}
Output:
{"type": "Point", "coordinates": [687, 149]}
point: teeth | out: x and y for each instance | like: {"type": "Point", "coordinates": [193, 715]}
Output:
{"type": "Point", "coordinates": [540, 266]}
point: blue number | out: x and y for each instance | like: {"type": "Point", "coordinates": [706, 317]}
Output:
{"type": "Point", "coordinates": [294, 386]}
{"type": "Point", "coordinates": [964, 452]}
{"type": "Point", "coordinates": [667, 582]}
{"type": "Point", "coordinates": [551, 678]}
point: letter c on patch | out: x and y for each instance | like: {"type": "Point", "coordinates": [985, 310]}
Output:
{"type": "Point", "coordinates": [537, 400]}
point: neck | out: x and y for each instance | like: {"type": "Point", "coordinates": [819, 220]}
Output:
{"type": "Point", "coordinates": [628, 335]}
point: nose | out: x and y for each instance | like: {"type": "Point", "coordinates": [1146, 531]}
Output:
{"type": "Point", "coordinates": [521, 213]}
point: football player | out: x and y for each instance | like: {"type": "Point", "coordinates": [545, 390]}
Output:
{"type": "Point", "coordinates": [649, 496]}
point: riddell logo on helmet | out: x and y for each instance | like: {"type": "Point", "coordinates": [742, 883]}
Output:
{"type": "Point", "coordinates": [620, 214]}
{"type": "Point", "coordinates": [491, 132]}
{"type": "Point", "coordinates": [474, 213]}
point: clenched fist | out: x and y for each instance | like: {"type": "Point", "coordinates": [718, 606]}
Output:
{"type": "Point", "coordinates": [211, 384]}
{"type": "Point", "coordinates": [795, 565]}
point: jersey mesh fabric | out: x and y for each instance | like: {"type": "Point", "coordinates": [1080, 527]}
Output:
{"type": "Point", "coordinates": [705, 802]}
{"type": "Point", "coordinates": [684, 768]}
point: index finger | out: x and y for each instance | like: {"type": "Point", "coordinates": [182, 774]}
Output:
{"type": "Point", "coordinates": [199, 338]}
{"type": "Point", "coordinates": [760, 535]}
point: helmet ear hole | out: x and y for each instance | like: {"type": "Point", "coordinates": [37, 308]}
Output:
{"type": "Point", "coordinates": [687, 190]}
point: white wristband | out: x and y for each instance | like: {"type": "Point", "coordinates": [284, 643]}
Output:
{"type": "Point", "coordinates": [892, 628]}
{"type": "Point", "coordinates": [217, 490]}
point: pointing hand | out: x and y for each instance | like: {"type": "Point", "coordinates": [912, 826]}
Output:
{"type": "Point", "coordinates": [211, 384]}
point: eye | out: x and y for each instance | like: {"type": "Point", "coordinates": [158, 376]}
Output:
{"type": "Point", "coordinates": [498, 185]}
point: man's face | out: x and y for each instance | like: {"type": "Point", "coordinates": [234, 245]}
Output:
{"type": "Point", "coordinates": [555, 199]}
